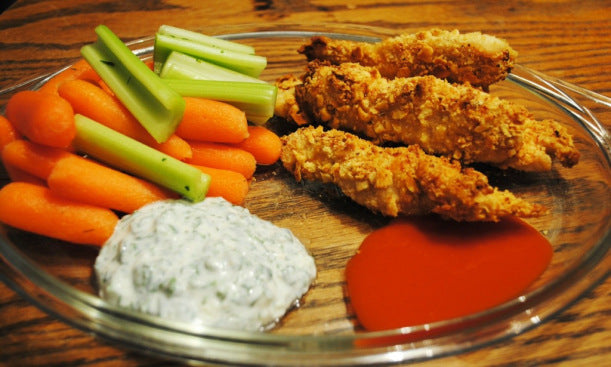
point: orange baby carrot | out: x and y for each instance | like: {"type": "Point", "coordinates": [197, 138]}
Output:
{"type": "Point", "coordinates": [79, 70]}
{"type": "Point", "coordinates": [222, 156]}
{"type": "Point", "coordinates": [7, 132]}
{"type": "Point", "coordinates": [102, 84]}
{"type": "Point", "coordinates": [36, 209]}
{"type": "Point", "coordinates": [263, 143]}
{"type": "Point", "coordinates": [17, 174]}
{"type": "Point", "coordinates": [83, 180]}
{"type": "Point", "coordinates": [44, 118]}
{"type": "Point", "coordinates": [230, 185]}
{"type": "Point", "coordinates": [214, 121]}
{"type": "Point", "coordinates": [175, 147]}
{"type": "Point", "coordinates": [90, 100]}
{"type": "Point", "coordinates": [150, 64]}
{"type": "Point", "coordinates": [35, 159]}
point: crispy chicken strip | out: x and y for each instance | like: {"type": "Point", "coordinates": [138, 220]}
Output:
{"type": "Point", "coordinates": [286, 105]}
{"type": "Point", "coordinates": [455, 120]}
{"type": "Point", "coordinates": [474, 58]}
{"type": "Point", "coordinates": [397, 181]}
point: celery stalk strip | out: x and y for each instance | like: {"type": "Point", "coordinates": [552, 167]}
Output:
{"type": "Point", "coordinates": [244, 63]}
{"type": "Point", "coordinates": [205, 39]}
{"type": "Point", "coordinates": [257, 100]}
{"type": "Point", "coordinates": [124, 153]}
{"type": "Point", "coordinates": [181, 66]}
{"type": "Point", "coordinates": [157, 107]}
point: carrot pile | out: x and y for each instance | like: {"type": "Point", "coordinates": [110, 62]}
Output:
{"type": "Point", "coordinates": [58, 193]}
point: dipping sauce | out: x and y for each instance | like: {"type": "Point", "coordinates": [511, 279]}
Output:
{"type": "Point", "coordinates": [417, 271]}
{"type": "Point", "coordinates": [209, 263]}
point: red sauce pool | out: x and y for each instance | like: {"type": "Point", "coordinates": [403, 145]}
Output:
{"type": "Point", "coordinates": [417, 271]}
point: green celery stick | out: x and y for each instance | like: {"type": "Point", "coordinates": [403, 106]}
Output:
{"type": "Point", "coordinates": [180, 66]}
{"type": "Point", "coordinates": [205, 39]}
{"type": "Point", "coordinates": [257, 100]}
{"type": "Point", "coordinates": [158, 108]}
{"type": "Point", "coordinates": [244, 63]}
{"type": "Point", "coordinates": [129, 155]}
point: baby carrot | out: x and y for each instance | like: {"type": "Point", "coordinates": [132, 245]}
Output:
{"type": "Point", "coordinates": [7, 132]}
{"type": "Point", "coordinates": [263, 143]}
{"type": "Point", "coordinates": [83, 180]}
{"type": "Point", "coordinates": [222, 156]}
{"type": "Point", "coordinates": [175, 147]}
{"type": "Point", "coordinates": [17, 174]}
{"type": "Point", "coordinates": [44, 118]}
{"type": "Point", "coordinates": [35, 159]}
{"type": "Point", "coordinates": [36, 209]}
{"type": "Point", "coordinates": [79, 70]}
{"type": "Point", "coordinates": [106, 88]}
{"type": "Point", "coordinates": [230, 185]}
{"type": "Point", "coordinates": [214, 121]}
{"type": "Point", "coordinates": [92, 101]}
{"type": "Point", "coordinates": [150, 64]}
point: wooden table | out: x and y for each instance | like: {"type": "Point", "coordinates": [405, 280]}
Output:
{"type": "Point", "coordinates": [563, 38]}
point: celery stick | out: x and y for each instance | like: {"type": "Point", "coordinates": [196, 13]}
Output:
{"type": "Point", "coordinates": [257, 100]}
{"type": "Point", "coordinates": [244, 63]}
{"type": "Point", "coordinates": [181, 66]}
{"type": "Point", "coordinates": [205, 39]}
{"type": "Point", "coordinates": [125, 153]}
{"type": "Point", "coordinates": [158, 108]}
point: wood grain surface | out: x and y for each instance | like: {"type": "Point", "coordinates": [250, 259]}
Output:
{"type": "Point", "coordinates": [562, 38]}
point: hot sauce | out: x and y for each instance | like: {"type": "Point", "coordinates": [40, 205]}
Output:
{"type": "Point", "coordinates": [421, 270]}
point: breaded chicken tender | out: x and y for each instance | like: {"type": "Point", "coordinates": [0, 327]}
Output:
{"type": "Point", "coordinates": [397, 181]}
{"type": "Point", "coordinates": [474, 58]}
{"type": "Point", "coordinates": [286, 106]}
{"type": "Point", "coordinates": [453, 120]}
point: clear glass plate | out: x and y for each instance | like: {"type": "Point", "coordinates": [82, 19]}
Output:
{"type": "Point", "coordinates": [323, 330]}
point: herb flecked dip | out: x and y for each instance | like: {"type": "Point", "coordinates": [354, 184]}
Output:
{"type": "Point", "coordinates": [209, 263]}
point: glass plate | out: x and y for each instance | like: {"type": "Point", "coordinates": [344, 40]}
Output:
{"type": "Point", "coordinates": [323, 330]}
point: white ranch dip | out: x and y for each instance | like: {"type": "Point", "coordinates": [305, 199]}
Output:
{"type": "Point", "coordinates": [209, 263]}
